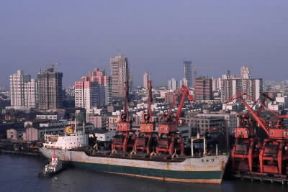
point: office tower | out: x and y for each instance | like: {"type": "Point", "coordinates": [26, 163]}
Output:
{"type": "Point", "coordinates": [188, 72]}
{"type": "Point", "coordinates": [145, 80]}
{"type": "Point", "coordinates": [119, 76]}
{"type": "Point", "coordinates": [17, 82]}
{"type": "Point", "coordinates": [203, 88]}
{"type": "Point", "coordinates": [92, 90]}
{"type": "Point", "coordinates": [233, 85]}
{"type": "Point", "coordinates": [49, 83]}
{"type": "Point", "coordinates": [172, 84]}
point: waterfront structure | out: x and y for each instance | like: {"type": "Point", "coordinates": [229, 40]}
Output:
{"type": "Point", "coordinates": [119, 76]}
{"type": "Point", "coordinates": [203, 88]}
{"type": "Point", "coordinates": [99, 121]}
{"type": "Point", "coordinates": [112, 122]}
{"type": "Point", "coordinates": [49, 84]}
{"type": "Point", "coordinates": [49, 117]}
{"type": "Point", "coordinates": [219, 121]}
{"type": "Point", "coordinates": [92, 90]}
{"type": "Point", "coordinates": [31, 134]}
{"type": "Point", "coordinates": [12, 134]}
{"type": "Point", "coordinates": [206, 123]}
{"type": "Point", "coordinates": [102, 135]}
{"type": "Point", "coordinates": [233, 85]}
{"type": "Point", "coordinates": [188, 73]}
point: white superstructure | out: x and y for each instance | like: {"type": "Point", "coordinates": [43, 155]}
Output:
{"type": "Point", "coordinates": [66, 142]}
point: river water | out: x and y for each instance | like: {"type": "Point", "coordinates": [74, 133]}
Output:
{"type": "Point", "coordinates": [20, 173]}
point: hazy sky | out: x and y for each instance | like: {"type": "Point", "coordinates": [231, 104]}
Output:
{"type": "Point", "coordinates": [155, 35]}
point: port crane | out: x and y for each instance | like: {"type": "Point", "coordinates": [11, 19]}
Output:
{"type": "Point", "coordinates": [273, 153]}
{"type": "Point", "coordinates": [124, 138]}
{"type": "Point", "coordinates": [143, 141]}
{"type": "Point", "coordinates": [169, 141]}
{"type": "Point", "coordinates": [245, 151]}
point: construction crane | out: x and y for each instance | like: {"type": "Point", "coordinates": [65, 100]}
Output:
{"type": "Point", "coordinates": [124, 137]}
{"type": "Point", "coordinates": [169, 141]}
{"type": "Point", "coordinates": [273, 154]}
{"type": "Point", "coordinates": [147, 126]}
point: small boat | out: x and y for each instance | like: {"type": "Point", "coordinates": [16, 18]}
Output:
{"type": "Point", "coordinates": [53, 167]}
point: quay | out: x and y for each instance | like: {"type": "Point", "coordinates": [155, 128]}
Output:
{"type": "Point", "coordinates": [282, 179]}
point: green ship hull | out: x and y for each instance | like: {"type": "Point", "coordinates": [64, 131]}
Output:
{"type": "Point", "coordinates": [208, 169]}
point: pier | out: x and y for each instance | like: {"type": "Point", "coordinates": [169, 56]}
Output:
{"type": "Point", "coordinates": [282, 179]}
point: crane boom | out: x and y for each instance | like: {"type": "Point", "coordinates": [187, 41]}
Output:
{"type": "Point", "coordinates": [185, 93]}
{"type": "Point", "coordinates": [272, 132]}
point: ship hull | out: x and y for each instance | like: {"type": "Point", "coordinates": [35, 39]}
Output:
{"type": "Point", "coordinates": [208, 169]}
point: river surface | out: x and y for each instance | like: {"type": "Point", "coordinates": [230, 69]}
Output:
{"type": "Point", "coordinates": [20, 173]}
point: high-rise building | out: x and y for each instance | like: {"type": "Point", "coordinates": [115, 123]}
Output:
{"type": "Point", "coordinates": [203, 88]}
{"type": "Point", "coordinates": [216, 84]}
{"type": "Point", "coordinates": [145, 80]}
{"type": "Point", "coordinates": [119, 76]}
{"type": "Point", "coordinates": [30, 94]}
{"type": "Point", "coordinates": [23, 90]}
{"type": "Point", "coordinates": [17, 94]}
{"type": "Point", "coordinates": [188, 72]}
{"type": "Point", "coordinates": [183, 82]}
{"type": "Point", "coordinates": [172, 84]}
{"type": "Point", "coordinates": [233, 85]}
{"type": "Point", "coordinates": [92, 90]}
{"type": "Point", "coordinates": [245, 72]}
{"type": "Point", "coordinates": [49, 83]}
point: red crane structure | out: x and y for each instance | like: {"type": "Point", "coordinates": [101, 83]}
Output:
{"type": "Point", "coordinates": [124, 137]}
{"type": "Point", "coordinates": [147, 127]}
{"type": "Point", "coordinates": [169, 141]}
{"type": "Point", "coordinates": [272, 154]}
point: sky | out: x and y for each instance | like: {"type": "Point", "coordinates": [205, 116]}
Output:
{"type": "Point", "coordinates": [155, 35]}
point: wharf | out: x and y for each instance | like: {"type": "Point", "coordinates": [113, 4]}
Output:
{"type": "Point", "coordinates": [19, 148]}
{"type": "Point", "coordinates": [20, 152]}
{"type": "Point", "coordinates": [282, 179]}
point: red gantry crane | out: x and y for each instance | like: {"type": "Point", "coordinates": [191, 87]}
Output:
{"type": "Point", "coordinates": [273, 154]}
{"type": "Point", "coordinates": [124, 138]}
{"type": "Point", "coordinates": [147, 126]}
{"type": "Point", "coordinates": [169, 141]}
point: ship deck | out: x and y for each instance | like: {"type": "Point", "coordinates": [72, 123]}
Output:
{"type": "Point", "coordinates": [138, 156]}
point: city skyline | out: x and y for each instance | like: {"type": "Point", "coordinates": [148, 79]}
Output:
{"type": "Point", "coordinates": [83, 36]}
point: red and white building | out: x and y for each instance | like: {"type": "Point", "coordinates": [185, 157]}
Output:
{"type": "Point", "coordinates": [92, 90]}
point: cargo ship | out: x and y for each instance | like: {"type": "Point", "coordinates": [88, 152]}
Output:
{"type": "Point", "coordinates": [71, 149]}
{"type": "Point", "coordinates": [151, 152]}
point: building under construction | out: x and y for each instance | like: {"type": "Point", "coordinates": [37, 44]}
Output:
{"type": "Point", "coordinates": [49, 84]}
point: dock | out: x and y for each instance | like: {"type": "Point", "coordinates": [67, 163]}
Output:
{"type": "Point", "coordinates": [20, 152]}
{"type": "Point", "coordinates": [282, 179]}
